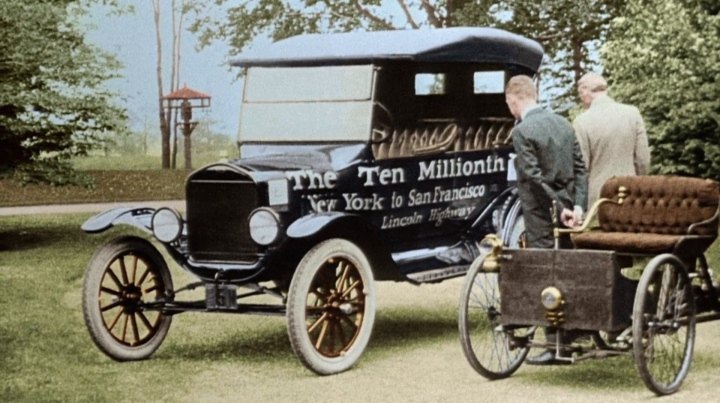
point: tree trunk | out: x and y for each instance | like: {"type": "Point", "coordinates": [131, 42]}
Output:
{"type": "Point", "coordinates": [577, 56]}
{"type": "Point", "coordinates": [188, 147]}
{"type": "Point", "coordinates": [173, 162]}
{"type": "Point", "coordinates": [164, 116]}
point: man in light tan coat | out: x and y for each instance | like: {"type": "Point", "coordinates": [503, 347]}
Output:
{"type": "Point", "coordinates": [611, 136]}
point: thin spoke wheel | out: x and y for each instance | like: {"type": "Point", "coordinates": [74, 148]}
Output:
{"type": "Point", "coordinates": [517, 238]}
{"type": "Point", "coordinates": [122, 277]}
{"type": "Point", "coordinates": [489, 348]}
{"type": "Point", "coordinates": [331, 306]}
{"type": "Point", "coordinates": [664, 324]}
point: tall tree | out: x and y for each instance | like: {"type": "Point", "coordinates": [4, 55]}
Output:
{"type": "Point", "coordinates": [52, 101]}
{"type": "Point", "coordinates": [279, 19]}
{"type": "Point", "coordinates": [168, 119]}
{"type": "Point", "coordinates": [570, 30]}
{"type": "Point", "coordinates": [664, 57]}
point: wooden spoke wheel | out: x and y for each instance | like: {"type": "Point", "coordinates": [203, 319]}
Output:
{"type": "Point", "coordinates": [331, 307]}
{"type": "Point", "coordinates": [122, 277]}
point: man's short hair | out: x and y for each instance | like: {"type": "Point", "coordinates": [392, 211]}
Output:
{"type": "Point", "coordinates": [522, 87]}
{"type": "Point", "coordinates": [592, 82]}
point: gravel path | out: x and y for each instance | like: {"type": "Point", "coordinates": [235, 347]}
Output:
{"type": "Point", "coordinates": [87, 207]}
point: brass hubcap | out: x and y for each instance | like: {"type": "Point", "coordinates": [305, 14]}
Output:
{"type": "Point", "coordinates": [129, 281]}
{"type": "Point", "coordinates": [335, 307]}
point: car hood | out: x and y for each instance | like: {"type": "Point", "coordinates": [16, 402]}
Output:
{"type": "Point", "coordinates": [264, 158]}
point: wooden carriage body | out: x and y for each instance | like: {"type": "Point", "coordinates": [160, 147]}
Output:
{"type": "Point", "coordinates": [642, 216]}
{"type": "Point", "coordinates": [596, 295]}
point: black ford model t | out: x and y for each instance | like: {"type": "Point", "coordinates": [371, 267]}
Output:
{"type": "Point", "coordinates": [364, 156]}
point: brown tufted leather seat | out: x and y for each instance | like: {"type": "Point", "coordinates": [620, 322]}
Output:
{"type": "Point", "coordinates": [660, 214]}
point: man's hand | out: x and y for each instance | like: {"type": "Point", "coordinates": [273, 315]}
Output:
{"type": "Point", "coordinates": [571, 218]}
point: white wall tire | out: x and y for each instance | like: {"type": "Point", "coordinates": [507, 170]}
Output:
{"type": "Point", "coordinates": [121, 276]}
{"type": "Point", "coordinates": [331, 306]}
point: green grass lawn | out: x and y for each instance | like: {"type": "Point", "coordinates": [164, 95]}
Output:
{"type": "Point", "coordinates": [414, 354]}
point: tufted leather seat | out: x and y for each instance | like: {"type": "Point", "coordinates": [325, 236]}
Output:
{"type": "Point", "coordinates": [660, 214]}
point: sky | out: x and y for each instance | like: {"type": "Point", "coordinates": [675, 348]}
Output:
{"type": "Point", "coordinates": [131, 37]}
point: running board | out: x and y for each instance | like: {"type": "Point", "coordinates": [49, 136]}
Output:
{"type": "Point", "coordinates": [436, 275]}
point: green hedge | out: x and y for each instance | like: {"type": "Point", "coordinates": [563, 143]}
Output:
{"type": "Point", "coordinates": [109, 186]}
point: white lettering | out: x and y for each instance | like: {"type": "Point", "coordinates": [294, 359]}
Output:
{"type": "Point", "coordinates": [309, 179]}
{"type": "Point", "coordinates": [454, 168]}
{"type": "Point", "coordinates": [390, 221]}
{"type": "Point", "coordinates": [353, 202]}
{"type": "Point", "coordinates": [384, 176]}
{"type": "Point", "coordinates": [440, 214]}
{"type": "Point", "coordinates": [322, 205]}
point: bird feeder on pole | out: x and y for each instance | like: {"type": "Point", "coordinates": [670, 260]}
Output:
{"type": "Point", "coordinates": [186, 99]}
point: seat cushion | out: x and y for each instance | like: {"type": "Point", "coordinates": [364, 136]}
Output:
{"type": "Point", "coordinates": [660, 205]}
{"type": "Point", "coordinates": [627, 242]}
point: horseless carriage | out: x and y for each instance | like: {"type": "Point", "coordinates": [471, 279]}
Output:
{"type": "Point", "coordinates": [364, 156]}
{"type": "Point", "coordinates": [600, 290]}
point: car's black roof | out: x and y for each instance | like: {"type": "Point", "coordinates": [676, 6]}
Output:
{"type": "Point", "coordinates": [459, 44]}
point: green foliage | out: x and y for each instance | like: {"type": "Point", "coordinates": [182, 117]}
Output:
{"type": "Point", "coordinates": [53, 171]}
{"type": "Point", "coordinates": [208, 143]}
{"type": "Point", "coordinates": [571, 31]}
{"type": "Point", "coordinates": [52, 101]}
{"type": "Point", "coordinates": [664, 57]}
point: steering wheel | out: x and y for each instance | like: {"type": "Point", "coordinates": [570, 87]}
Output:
{"type": "Point", "coordinates": [383, 127]}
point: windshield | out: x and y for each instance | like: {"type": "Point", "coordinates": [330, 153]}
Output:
{"type": "Point", "coordinates": [301, 104]}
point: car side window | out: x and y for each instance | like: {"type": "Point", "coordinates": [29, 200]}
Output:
{"type": "Point", "coordinates": [430, 84]}
{"type": "Point", "coordinates": [489, 82]}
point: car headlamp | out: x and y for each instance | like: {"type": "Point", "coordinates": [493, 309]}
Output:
{"type": "Point", "coordinates": [264, 226]}
{"type": "Point", "coordinates": [166, 225]}
{"type": "Point", "coordinates": [551, 298]}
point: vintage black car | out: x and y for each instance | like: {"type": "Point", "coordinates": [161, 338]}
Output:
{"type": "Point", "coordinates": [363, 157]}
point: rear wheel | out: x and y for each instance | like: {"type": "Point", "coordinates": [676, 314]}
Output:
{"type": "Point", "coordinates": [331, 307]}
{"type": "Point", "coordinates": [513, 229]}
{"type": "Point", "coordinates": [489, 348]}
{"type": "Point", "coordinates": [122, 277]}
{"type": "Point", "coordinates": [516, 236]}
{"type": "Point", "coordinates": [663, 324]}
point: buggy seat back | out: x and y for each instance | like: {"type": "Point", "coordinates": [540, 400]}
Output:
{"type": "Point", "coordinates": [660, 214]}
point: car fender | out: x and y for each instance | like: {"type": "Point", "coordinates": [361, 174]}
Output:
{"type": "Point", "coordinates": [138, 217]}
{"type": "Point", "coordinates": [312, 224]}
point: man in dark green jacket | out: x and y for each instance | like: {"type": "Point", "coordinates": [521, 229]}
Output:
{"type": "Point", "coordinates": [550, 168]}
{"type": "Point", "coordinates": [549, 164]}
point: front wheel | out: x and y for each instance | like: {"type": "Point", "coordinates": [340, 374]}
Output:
{"type": "Point", "coordinates": [513, 229]}
{"type": "Point", "coordinates": [491, 350]}
{"type": "Point", "coordinates": [663, 324]}
{"type": "Point", "coordinates": [331, 307]}
{"type": "Point", "coordinates": [122, 278]}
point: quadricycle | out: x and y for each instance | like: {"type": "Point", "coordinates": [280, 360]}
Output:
{"type": "Point", "coordinates": [635, 282]}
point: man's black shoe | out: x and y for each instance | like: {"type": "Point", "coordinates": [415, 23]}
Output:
{"type": "Point", "coordinates": [546, 358]}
